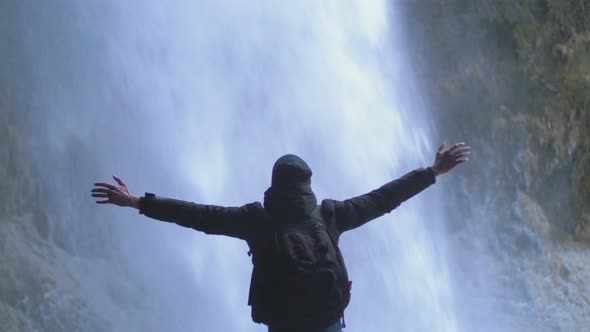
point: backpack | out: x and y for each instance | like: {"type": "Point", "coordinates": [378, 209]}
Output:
{"type": "Point", "coordinates": [299, 277]}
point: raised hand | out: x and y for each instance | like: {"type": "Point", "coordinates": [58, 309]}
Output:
{"type": "Point", "coordinates": [117, 195]}
{"type": "Point", "coordinates": [446, 160]}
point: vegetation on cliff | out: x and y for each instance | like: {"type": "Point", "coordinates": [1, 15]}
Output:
{"type": "Point", "coordinates": [512, 78]}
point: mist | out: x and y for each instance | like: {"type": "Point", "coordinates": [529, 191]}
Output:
{"type": "Point", "coordinates": [195, 101]}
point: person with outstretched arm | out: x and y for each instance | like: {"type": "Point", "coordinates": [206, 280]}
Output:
{"type": "Point", "coordinates": [299, 280]}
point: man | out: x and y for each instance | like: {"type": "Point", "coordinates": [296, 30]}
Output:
{"type": "Point", "coordinates": [299, 280]}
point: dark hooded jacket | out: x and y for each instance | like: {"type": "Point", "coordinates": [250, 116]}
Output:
{"type": "Point", "coordinates": [289, 199]}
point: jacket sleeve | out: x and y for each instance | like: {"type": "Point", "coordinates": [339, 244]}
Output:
{"type": "Point", "coordinates": [238, 222]}
{"type": "Point", "coordinates": [356, 211]}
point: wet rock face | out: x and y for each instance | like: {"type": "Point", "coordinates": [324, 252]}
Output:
{"type": "Point", "coordinates": [17, 189]}
{"type": "Point", "coordinates": [512, 78]}
{"type": "Point", "coordinates": [47, 284]}
{"type": "Point", "coordinates": [514, 81]}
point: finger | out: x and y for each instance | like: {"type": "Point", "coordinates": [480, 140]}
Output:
{"type": "Point", "coordinates": [100, 195]}
{"type": "Point", "coordinates": [464, 148]}
{"type": "Point", "coordinates": [103, 202]}
{"type": "Point", "coordinates": [119, 181]}
{"type": "Point", "coordinates": [456, 146]}
{"type": "Point", "coordinates": [106, 185]}
{"type": "Point", "coordinates": [462, 154]}
{"type": "Point", "coordinates": [101, 190]}
{"type": "Point", "coordinates": [440, 148]}
{"type": "Point", "coordinates": [112, 190]}
{"type": "Point", "coordinates": [109, 192]}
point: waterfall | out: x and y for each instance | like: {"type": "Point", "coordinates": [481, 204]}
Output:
{"type": "Point", "coordinates": [196, 100]}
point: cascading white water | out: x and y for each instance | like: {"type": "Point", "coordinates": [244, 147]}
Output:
{"type": "Point", "coordinates": [196, 100]}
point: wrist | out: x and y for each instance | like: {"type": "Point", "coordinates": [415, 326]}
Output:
{"type": "Point", "coordinates": [134, 202]}
{"type": "Point", "coordinates": [435, 171]}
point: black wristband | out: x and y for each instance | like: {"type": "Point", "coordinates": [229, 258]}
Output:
{"type": "Point", "coordinates": [141, 204]}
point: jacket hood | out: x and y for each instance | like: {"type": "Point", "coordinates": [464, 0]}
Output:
{"type": "Point", "coordinates": [290, 197]}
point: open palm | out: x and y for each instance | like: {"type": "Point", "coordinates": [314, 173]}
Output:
{"type": "Point", "coordinates": [117, 195]}
{"type": "Point", "coordinates": [446, 160]}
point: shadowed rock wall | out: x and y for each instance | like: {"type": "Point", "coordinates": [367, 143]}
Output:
{"type": "Point", "coordinates": [512, 79]}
